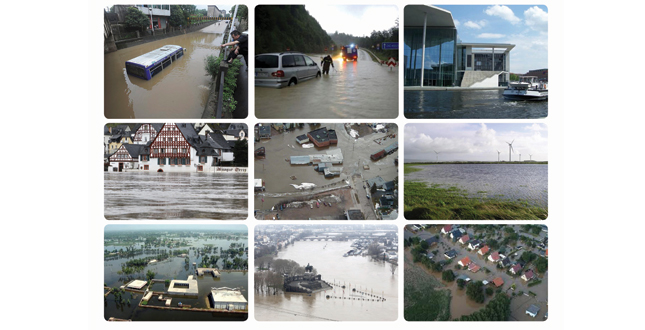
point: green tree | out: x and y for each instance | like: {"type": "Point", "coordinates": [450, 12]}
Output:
{"type": "Point", "coordinates": [474, 291]}
{"type": "Point", "coordinates": [177, 17]}
{"type": "Point", "coordinates": [448, 276]}
{"type": "Point", "coordinates": [241, 153]}
{"type": "Point", "coordinates": [541, 265]}
{"type": "Point", "coordinates": [150, 275]}
{"type": "Point", "coordinates": [136, 20]}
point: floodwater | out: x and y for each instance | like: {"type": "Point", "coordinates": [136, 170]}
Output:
{"type": "Point", "coordinates": [144, 195]}
{"type": "Point", "coordinates": [172, 268]}
{"type": "Point", "coordinates": [460, 304]}
{"type": "Point", "coordinates": [527, 182]}
{"type": "Point", "coordinates": [361, 89]}
{"type": "Point", "coordinates": [179, 91]}
{"type": "Point", "coordinates": [276, 172]}
{"type": "Point", "coordinates": [360, 272]}
{"type": "Point", "coordinates": [472, 104]}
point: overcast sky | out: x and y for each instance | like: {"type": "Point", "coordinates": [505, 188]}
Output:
{"type": "Point", "coordinates": [175, 227]}
{"type": "Point", "coordinates": [475, 142]}
{"type": "Point", "coordinates": [524, 26]}
{"type": "Point", "coordinates": [355, 20]}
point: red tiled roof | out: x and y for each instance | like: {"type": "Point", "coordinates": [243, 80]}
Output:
{"type": "Point", "coordinates": [447, 228]}
{"type": "Point", "coordinates": [485, 249]}
{"type": "Point", "coordinates": [495, 256]}
{"type": "Point", "coordinates": [464, 238]}
{"type": "Point", "coordinates": [498, 282]}
{"type": "Point", "coordinates": [474, 267]}
{"type": "Point", "coordinates": [465, 261]}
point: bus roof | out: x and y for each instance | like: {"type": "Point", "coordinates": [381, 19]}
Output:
{"type": "Point", "coordinates": [154, 56]}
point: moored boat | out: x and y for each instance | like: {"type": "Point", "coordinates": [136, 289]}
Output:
{"type": "Point", "coordinates": [527, 88]}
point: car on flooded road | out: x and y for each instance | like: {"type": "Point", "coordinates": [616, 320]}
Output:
{"type": "Point", "coordinates": [279, 70]}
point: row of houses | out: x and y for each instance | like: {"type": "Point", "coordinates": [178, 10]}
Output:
{"type": "Point", "coordinates": [170, 147]}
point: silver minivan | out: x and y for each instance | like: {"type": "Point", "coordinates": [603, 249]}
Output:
{"type": "Point", "coordinates": [278, 70]}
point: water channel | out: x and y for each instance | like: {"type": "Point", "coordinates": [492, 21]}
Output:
{"type": "Point", "coordinates": [179, 91]}
{"type": "Point", "coordinates": [327, 258]}
{"type": "Point", "coordinates": [474, 104]}
{"type": "Point", "coordinates": [144, 195]}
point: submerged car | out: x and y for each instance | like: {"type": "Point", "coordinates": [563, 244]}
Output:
{"type": "Point", "coordinates": [279, 70]}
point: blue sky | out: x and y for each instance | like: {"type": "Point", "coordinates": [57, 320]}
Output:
{"type": "Point", "coordinates": [524, 26]}
{"type": "Point", "coordinates": [475, 142]}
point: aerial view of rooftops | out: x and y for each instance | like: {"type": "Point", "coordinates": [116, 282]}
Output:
{"type": "Point", "coordinates": [175, 171]}
{"type": "Point", "coordinates": [476, 171]}
{"type": "Point", "coordinates": [326, 272]}
{"type": "Point", "coordinates": [175, 273]}
{"type": "Point", "coordinates": [476, 61]}
{"type": "Point", "coordinates": [476, 272]}
{"type": "Point", "coordinates": [332, 171]}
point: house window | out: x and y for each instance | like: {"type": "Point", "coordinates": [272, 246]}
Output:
{"type": "Point", "coordinates": [174, 150]}
{"type": "Point", "coordinates": [146, 167]}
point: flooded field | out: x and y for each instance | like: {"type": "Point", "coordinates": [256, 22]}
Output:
{"type": "Point", "coordinates": [527, 182]}
{"type": "Point", "coordinates": [327, 258]}
{"type": "Point", "coordinates": [475, 104]}
{"type": "Point", "coordinates": [143, 195]}
{"type": "Point", "coordinates": [361, 89]}
{"type": "Point", "coordinates": [175, 267]}
{"type": "Point", "coordinates": [179, 91]}
{"type": "Point", "coordinates": [277, 173]}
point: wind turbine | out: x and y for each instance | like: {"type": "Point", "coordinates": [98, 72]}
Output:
{"type": "Point", "coordinates": [510, 149]}
{"type": "Point", "coordinates": [530, 157]}
{"type": "Point", "coordinates": [498, 152]}
{"type": "Point", "coordinates": [520, 157]}
{"type": "Point", "coordinates": [437, 153]}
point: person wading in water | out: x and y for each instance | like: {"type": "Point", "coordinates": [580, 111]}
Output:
{"type": "Point", "coordinates": [325, 64]}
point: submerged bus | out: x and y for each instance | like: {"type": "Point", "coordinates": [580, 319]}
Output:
{"type": "Point", "coordinates": [349, 53]}
{"type": "Point", "coordinates": [148, 65]}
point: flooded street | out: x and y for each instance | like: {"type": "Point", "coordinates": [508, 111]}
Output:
{"type": "Point", "coordinates": [179, 91]}
{"type": "Point", "coordinates": [360, 89]}
{"type": "Point", "coordinates": [513, 286]}
{"type": "Point", "coordinates": [528, 182]}
{"type": "Point", "coordinates": [142, 195]}
{"type": "Point", "coordinates": [276, 172]}
{"type": "Point", "coordinates": [327, 258]}
{"type": "Point", "coordinates": [470, 104]}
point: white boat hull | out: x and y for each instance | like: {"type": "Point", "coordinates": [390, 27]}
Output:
{"type": "Point", "coordinates": [523, 94]}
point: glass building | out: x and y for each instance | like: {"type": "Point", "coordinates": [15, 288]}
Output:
{"type": "Point", "coordinates": [434, 55]}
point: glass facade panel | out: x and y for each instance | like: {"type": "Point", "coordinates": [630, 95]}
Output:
{"type": "Point", "coordinates": [412, 53]}
{"type": "Point", "coordinates": [439, 63]}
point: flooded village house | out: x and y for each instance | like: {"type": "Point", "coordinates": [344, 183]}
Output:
{"type": "Point", "coordinates": [173, 147]}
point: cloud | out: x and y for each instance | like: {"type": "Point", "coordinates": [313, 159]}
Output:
{"type": "Point", "coordinates": [490, 36]}
{"type": "Point", "coordinates": [503, 12]}
{"type": "Point", "coordinates": [537, 19]}
{"type": "Point", "coordinates": [457, 23]}
{"type": "Point", "coordinates": [536, 127]}
{"type": "Point", "coordinates": [476, 25]}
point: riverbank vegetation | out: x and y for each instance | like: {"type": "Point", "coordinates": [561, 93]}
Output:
{"type": "Point", "coordinates": [212, 67]}
{"type": "Point", "coordinates": [424, 297]}
{"type": "Point", "coordinates": [423, 202]}
{"type": "Point", "coordinates": [497, 309]}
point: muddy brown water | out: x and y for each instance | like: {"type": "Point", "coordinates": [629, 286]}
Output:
{"type": "Point", "coordinates": [461, 305]}
{"type": "Point", "coordinates": [327, 258]}
{"type": "Point", "coordinates": [276, 172]}
{"type": "Point", "coordinates": [361, 89]}
{"type": "Point", "coordinates": [179, 91]}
